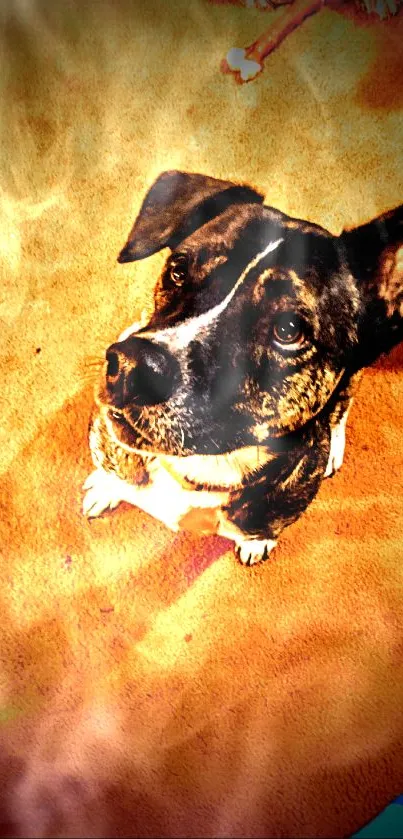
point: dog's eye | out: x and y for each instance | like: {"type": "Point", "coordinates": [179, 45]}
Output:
{"type": "Point", "coordinates": [178, 270]}
{"type": "Point", "coordinates": [288, 330]}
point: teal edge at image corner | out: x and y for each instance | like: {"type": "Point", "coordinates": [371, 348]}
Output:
{"type": "Point", "coordinates": [387, 825]}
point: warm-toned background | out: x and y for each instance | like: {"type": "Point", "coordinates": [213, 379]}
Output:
{"type": "Point", "coordinates": [149, 684]}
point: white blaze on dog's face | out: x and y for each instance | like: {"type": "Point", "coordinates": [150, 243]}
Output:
{"type": "Point", "coordinates": [181, 335]}
{"type": "Point", "coordinates": [256, 317]}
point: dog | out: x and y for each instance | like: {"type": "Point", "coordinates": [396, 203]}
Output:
{"type": "Point", "coordinates": [226, 410]}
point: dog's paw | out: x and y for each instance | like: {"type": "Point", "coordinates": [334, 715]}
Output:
{"type": "Point", "coordinates": [337, 446]}
{"type": "Point", "coordinates": [252, 551]}
{"type": "Point", "coordinates": [101, 493]}
{"type": "Point", "coordinates": [333, 465]}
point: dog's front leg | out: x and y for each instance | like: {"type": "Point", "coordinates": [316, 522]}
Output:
{"type": "Point", "coordinates": [337, 444]}
{"type": "Point", "coordinates": [159, 495]}
{"type": "Point", "coordinates": [104, 491]}
{"type": "Point", "coordinates": [338, 422]}
{"type": "Point", "coordinates": [249, 548]}
{"type": "Point", "coordinates": [257, 514]}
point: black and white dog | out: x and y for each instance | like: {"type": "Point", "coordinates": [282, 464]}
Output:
{"type": "Point", "coordinates": [228, 408]}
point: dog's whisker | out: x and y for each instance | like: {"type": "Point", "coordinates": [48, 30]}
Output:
{"type": "Point", "coordinates": [97, 364]}
{"type": "Point", "coordinates": [94, 359]}
{"type": "Point", "coordinates": [87, 376]}
{"type": "Point", "coordinates": [237, 463]}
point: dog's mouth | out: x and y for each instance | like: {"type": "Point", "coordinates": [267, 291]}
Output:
{"type": "Point", "coordinates": [192, 471]}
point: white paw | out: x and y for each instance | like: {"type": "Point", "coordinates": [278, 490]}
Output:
{"type": "Point", "coordinates": [252, 551]}
{"type": "Point", "coordinates": [101, 493]}
{"type": "Point", "coordinates": [337, 446]}
{"type": "Point", "coordinates": [336, 456]}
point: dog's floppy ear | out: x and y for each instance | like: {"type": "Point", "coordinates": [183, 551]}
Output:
{"type": "Point", "coordinates": [374, 253]}
{"type": "Point", "coordinates": [175, 206]}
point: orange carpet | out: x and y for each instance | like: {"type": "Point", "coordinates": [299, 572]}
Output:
{"type": "Point", "coordinates": [149, 684]}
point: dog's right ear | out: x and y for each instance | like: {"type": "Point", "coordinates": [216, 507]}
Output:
{"type": "Point", "coordinates": [374, 253]}
{"type": "Point", "coordinates": [177, 204]}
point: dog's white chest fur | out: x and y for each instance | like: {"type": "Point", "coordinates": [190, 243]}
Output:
{"type": "Point", "coordinates": [169, 495]}
{"type": "Point", "coordinates": [172, 495]}
{"type": "Point", "coordinates": [163, 497]}
{"type": "Point", "coordinates": [167, 500]}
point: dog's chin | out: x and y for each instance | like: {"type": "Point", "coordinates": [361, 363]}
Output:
{"type": "Point", "coordinates": [133, 439]}
{"type": "Point", "coordinates": [140, 440]}
{"type": "Point", "coordinates": [127, 434]}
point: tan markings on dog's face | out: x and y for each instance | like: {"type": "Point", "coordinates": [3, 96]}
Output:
{"type": "Point", "coordinates": [303, 293]}
{"type": "Point", "coordinates": [164, 296]}
{"type": "Point", "coordinates": [261, 431]}
{"type": "Point", "coordinates": [297, 399]}
{"type": "Point", "coordinates": [307, 394]}
{"type": "Point", "coordinates": [133, 465]}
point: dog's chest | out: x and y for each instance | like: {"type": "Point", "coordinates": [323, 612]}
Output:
{"type": "Point", "coordinates": [166, 498]}
{"type": "Point", "coordinates": [190, 492]}
{"type": "Point", "coordinates": [182, 492]}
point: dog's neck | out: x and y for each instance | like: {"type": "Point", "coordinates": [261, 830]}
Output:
{"type": "Point", "coordinates": [222, 471]}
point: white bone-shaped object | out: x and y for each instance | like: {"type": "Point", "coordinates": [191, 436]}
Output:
{"type": "Point", "coordinates": [247, 68]}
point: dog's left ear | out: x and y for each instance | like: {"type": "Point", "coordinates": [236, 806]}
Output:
{"type": "Point", "coordinates": [175, 206]}
{"type": "Point", "coordinates": [374, 253]}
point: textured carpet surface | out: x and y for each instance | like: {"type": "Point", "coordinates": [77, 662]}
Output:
{"type": "Point", "coordinates": [149, 684]}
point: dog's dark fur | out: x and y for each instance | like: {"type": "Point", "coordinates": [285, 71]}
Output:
{"type": "Point", "coordinates": [181, 387]}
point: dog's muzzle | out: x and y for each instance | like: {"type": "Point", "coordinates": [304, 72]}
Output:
{"type": "Point", "coordinates": [140, 372]}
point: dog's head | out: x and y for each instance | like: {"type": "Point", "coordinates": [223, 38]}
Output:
{"type": "Point", "coordinates": [257, 317]}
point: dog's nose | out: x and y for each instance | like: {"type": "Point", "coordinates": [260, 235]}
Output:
{"type": "Point", "coordinates": [141, 372]}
